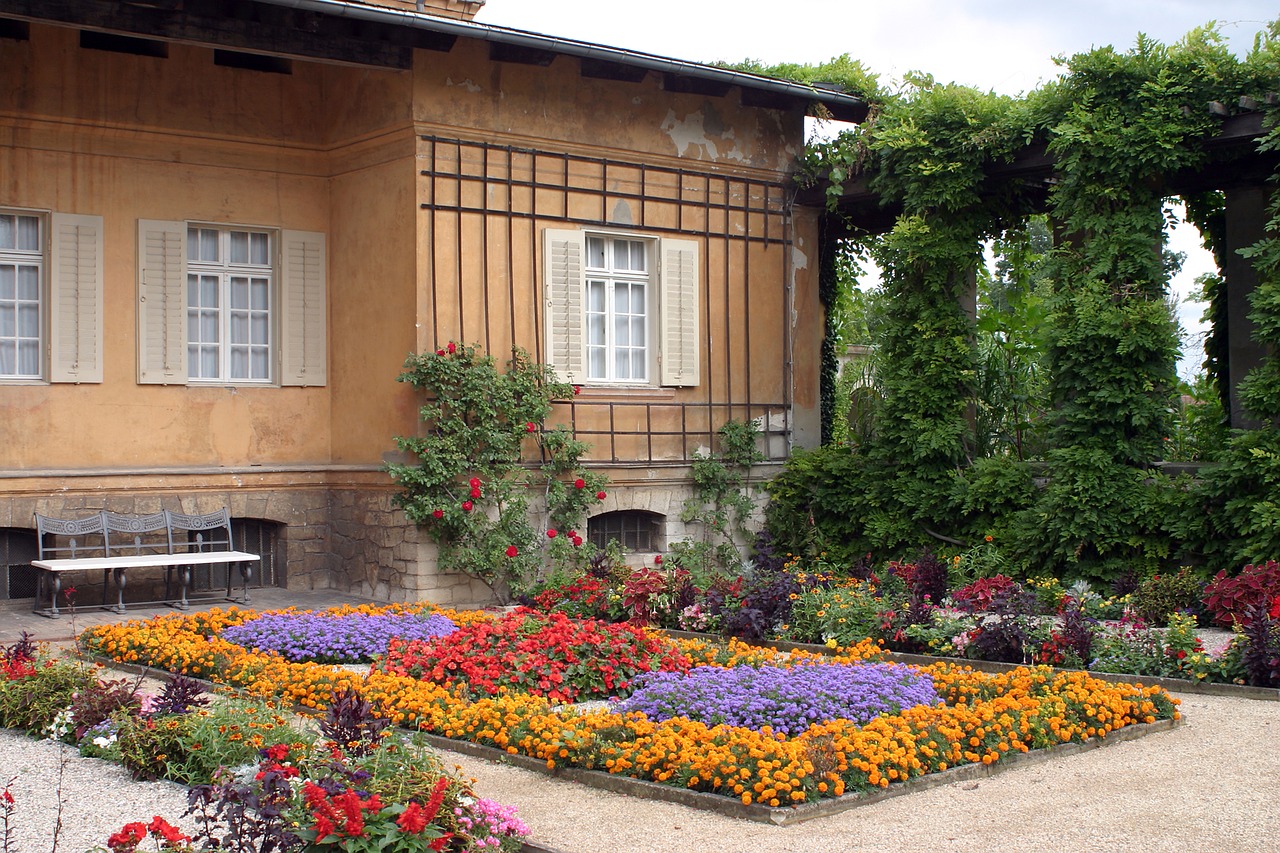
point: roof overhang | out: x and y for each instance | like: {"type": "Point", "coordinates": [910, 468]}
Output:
{"type": "Point", "coordinates": [363, 34]}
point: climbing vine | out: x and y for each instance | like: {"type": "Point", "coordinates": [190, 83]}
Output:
{"type": "Point", "coordinates": [1117, 127]}
{"type": "Point", "coordinates": [484, 454]}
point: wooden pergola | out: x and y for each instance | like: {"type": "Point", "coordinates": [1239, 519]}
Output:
{"type": "Point", "coordinates": [1234, 166]}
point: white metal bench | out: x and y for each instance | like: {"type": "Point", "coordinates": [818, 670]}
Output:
{"type": "Point", "coordinates": [114, 543]}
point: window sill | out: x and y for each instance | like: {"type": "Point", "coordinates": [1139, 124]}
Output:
{"type": "Point", "coordinates": [652, 392]}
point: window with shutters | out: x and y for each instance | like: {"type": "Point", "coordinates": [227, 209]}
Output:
{"type": "Point", "coordinates": [230, 305]}
{"type": "Point", "coordinates": [621, 309]}
{"type": "Point", "coordinates": [50, 297]}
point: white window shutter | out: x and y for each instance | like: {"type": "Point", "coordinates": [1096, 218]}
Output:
{"type": "Point", "coordinates": [75, 306]}
{"type": "Point", "coordinates": [564, 257]}
{"type": "Point", "coordinates": [304, 355]}
{"type": "Point", "coordinates": [678, 310]}
{"type": "Point", "coordinates": [162, 302]}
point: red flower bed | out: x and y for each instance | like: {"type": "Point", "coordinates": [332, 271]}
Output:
{"type": "Point", "coordinates": [547, 655]}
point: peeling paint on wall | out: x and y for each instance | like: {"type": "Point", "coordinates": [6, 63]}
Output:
{"type": "Point", "coordinates": [702, 134]}
{"type": "Point", "coordinates": [465, 84]}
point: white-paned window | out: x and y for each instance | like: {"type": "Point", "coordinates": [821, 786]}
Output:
{"type": "Point", "coordinates": [50, 297]}
{"type": "Point", "coordinates": [621, 309]}
{"type": "Point", "coordinates": [21, 286]}
{"type": "Point", "coordinates": [617, 309]}
{"type": "Point", "coordinates": [230, 305]}
{"type": "Point", "coordinates": [230, 291]}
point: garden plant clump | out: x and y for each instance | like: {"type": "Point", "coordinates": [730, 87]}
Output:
{"type": "Point", "coordinates": [965, 717]}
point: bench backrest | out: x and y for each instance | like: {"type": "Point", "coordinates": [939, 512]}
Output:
{"type": "Point", "coordinates": [208, 532]}
{"type": "Point", "coordinates": [68, 538]}
{"type": "Point", "coordinates": [132, 535]}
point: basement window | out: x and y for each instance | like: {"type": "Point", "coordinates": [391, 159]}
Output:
{"type": "Point", "coordinates": [633, 529]}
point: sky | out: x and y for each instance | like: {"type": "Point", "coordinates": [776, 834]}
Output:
{"type": "Point", "coordinates": [1006, 46]}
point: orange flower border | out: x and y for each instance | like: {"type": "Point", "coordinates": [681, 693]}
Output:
{"type": "Point", "coordinates": [986, 717]}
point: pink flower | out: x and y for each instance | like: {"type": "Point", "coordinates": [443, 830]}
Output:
{"type": "Point", "coordinates": [466, 506]}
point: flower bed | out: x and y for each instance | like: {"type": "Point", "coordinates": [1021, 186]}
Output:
{"type": "Point", "coordinates": [981, 718]}
{"type": "Point", "coordinates": [345, 638]}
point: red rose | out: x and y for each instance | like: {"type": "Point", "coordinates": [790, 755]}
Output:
{"type": "Point", "coordinates": [579, 483]}
{"type": "Point", "coordinates": [577, 389]}
{"type": "Point", "coordinates": [512, 550]}
{"type": "Point", "coordinates": [530, 427]}
{"type": "Point", "coordinates": [657, 560]}
{"type": "Point", "coordinates": [452, 348]}
{"type": "Point", "coordinates": [551, 534]}
{"type": "Point", "coordinates": [466, 506]}
{"type": "Point", "coordinates": [475, 483]}
{"type": "Point", "coordinates": [475, 493]}
{"type": "Point", "coordinates": [439, 352]}
{"type": "Point", "coordinates": [600, 496]}
{"type": "Point", "coordinates": [577, 541]}
{"type": "Point", "coordinates": [437, 514]}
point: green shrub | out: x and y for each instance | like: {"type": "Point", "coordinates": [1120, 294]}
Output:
{"type": "Point", "coordinates": [1159, 596]}
{"type": "Point", "coordinates": [33, 702]}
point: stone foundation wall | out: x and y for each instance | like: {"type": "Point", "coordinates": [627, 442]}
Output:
{"type": "Point", "coordinates": [338, 529]}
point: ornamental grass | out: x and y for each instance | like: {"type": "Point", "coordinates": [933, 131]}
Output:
{"type": "Point", "coordinates": [981, 717]}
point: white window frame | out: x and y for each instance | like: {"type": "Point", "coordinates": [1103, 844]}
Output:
{"type": "Point", "coordinates": [228, 318]}
{"type": "Point", "coordinates": [13, 300]}
{"type": "Point", "coordinates": [615, 333]}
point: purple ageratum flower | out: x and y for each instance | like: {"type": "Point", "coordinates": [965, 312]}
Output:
{"type": "Point", "coordinates": [787, 700]}
{"type": "Point", "coordinates": [353, 638]}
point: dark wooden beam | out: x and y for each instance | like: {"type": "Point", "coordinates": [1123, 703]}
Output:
{"type": "Point", "coordinates": [520, 54]}
{"type": "Point", "coordinates": [240, 26]}
{"type": "Point", "coordinates": [602, 69]}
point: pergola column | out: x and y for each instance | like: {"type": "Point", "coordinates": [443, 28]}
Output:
{"type": "Point", "coordinates": [1246, 217]}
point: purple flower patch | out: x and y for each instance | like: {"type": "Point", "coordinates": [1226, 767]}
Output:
{"type": "Point", "coordinates": [353, 638]}
{"type": "Point", "coordinates": [786, 700]}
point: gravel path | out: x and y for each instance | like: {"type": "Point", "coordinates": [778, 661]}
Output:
{"type": "Point", "coordinates": [1212, 784]}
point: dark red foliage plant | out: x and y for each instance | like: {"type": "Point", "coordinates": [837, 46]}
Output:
{"type": "Point", "coordinates": [1233, 599]}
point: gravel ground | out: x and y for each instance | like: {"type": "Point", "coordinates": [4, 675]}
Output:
{"type": "Point", "coordinates": [1212, 784]}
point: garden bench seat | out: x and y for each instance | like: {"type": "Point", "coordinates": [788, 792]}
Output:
{"type": "Point", "coordinates": [115, 543]}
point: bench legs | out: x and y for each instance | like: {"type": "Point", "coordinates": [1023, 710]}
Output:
{"type": "Point", "coordinates": [51, 581]}
{"type": "Point", "coordinates": [121, 580]}
{"type": "Point", "coordinates": [246, 575]}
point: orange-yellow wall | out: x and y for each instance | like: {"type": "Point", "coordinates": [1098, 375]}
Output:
{"type": "Point", "coordinates": [334, 149]}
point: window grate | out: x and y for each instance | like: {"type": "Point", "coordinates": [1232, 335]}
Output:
{"type": "Point", "coordinates": [17, 550]}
